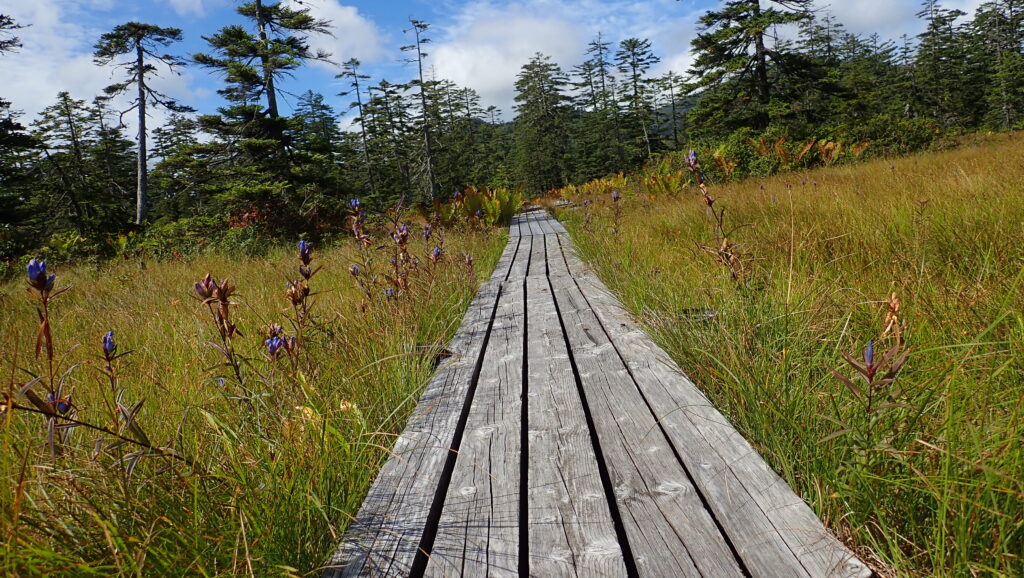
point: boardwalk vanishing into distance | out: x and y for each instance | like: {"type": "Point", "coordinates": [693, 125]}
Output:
{"type": "Point", "coordinates": [559, 440]}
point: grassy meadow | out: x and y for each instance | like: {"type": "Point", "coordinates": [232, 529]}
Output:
{"type": "Point", "coordinates": [251, 461]}
{"type": "Point", "coordinates": [917, 463]}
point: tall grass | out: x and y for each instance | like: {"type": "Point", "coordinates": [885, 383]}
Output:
{"type": "Point", "coordinates": [925, 252]}
{"type": "Point", "coordinates": [274, 473]}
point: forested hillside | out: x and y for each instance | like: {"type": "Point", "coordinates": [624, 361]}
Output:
{"type": "Point", "coordinates": [767, 74]}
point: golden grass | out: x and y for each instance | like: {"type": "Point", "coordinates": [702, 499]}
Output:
{"type": "Point", "coordinates": [929, 487]}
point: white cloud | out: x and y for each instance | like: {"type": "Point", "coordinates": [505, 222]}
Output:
{"type": "Point", "coordinates": [355, 36]}
{"type": "Point", "coordinates": [57, 56]}
{"type": "Point", "coordinates": [891, 19]}
{"type": "Point", "coordinates": [189, 7]}
{"type": "Point", "coordinates": [488, 54]}
{"type": "Point", "coordinates": [489, 42]}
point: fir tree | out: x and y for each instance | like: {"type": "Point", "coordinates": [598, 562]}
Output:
{"type": "Point", "coordinates": [140, 41]}
{"type": "Point", "coordinates": [540, 125]}
{"type": "Point", "coordinates": [732, 49]}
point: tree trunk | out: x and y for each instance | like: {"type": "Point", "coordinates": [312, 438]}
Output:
{"type": "Point", "coordinates": [268, 74]}
{"type": "Point", "coordinates": [761, 71]}
{"type": "Point", "coordinates": [362, 130]}
{"type": "Point", "coordinates": [427, 148]}
{"type": "Point", "coordinates": [143, 169]}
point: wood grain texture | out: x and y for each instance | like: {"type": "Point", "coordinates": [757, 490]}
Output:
{"type": "Point", "coordinates": [571, 532]}
{"type": "Point", "coordinates": [624, 455]}
{"type": "Point", "coordinates": [478, 533]}
{"type": "Point", "coordinates": [385, 536]}
{"type": "Point", "coordinates": [775, 532]}
{"type": "Point", "coordinates": [669, 530]}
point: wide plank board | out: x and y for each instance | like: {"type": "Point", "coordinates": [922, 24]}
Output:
{"type": "Point", "coordinates": [560, 440]}
{"type": "Point", "coordinates": [385, 536]}
{"type": "Point", "coordinates": [670, 532]}
{"type": "Point", "coordinates": [478, 532]}
{"type": "Point", "coordinates": [571, 531]}
{"type": "Point", "coordinates": [773, 530]}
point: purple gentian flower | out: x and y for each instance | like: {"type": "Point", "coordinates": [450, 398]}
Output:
{"type": "Point", "coordinates": [354, 204]}
{"type": "Point", "coordinates": [305, 252]}
{"type": "Point", "coordinates": [62, 405]}
{"type": "Point", "coordinates": [869, 354]}
{"type": "Point", "coordinates": [426, 232]}
{"type": "Point", "coordinates": [692, 159]}
{"type": "Point", "coordinates": [274, 344]}
{"type": "Point", "coordinates": [354, 269]}
{"type": "Point", "coordinates": [109, 347]}
{"type": "Point", "coordinates": [37, 276]}
{"type": "Point", "coordinates": [205, 287]}
{"type": "Point", "coordinates": [616, 196]}
{"type": "Point", "coordinates": [389, 292]}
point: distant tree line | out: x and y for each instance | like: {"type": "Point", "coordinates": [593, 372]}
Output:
{"type": "Point", "coordinates": [73, 180]}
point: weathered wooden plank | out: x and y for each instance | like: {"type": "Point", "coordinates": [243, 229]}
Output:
{"type": "Point", "coordinates": [478, 532]}
{"type": "Point", "coordinates": [772, 529]}
{"type": "Point", "coordinates": [557, 227]}
{"type": "Point", "coordinates": [544, 221]}
{"type": "Point", "coordinates": [521, 264]}
{"type": "Point", "coordinates": [513, 228]}
{"type": "Point", "coordinates": [571, 531]}
{"type": "Point", "coordinates": [538, 255]}
{"type": "Point", "coordinates": [669, 530]}
{"type": "Point", "coordinates": [534, 224]}
{"type": "Point", "coordinates": [389, 526]}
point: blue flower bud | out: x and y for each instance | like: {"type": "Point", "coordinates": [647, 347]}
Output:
{"type": "Point", "coordinates": [616, 196]}
{"type": "Point", "coordinates": [109, 347]}
{"type": "Point", "coordinates": [305, 252]}
{"type": "Point", "coordinates": [274, 344]}
{"type": "Point", "coordinates": [37, 276]}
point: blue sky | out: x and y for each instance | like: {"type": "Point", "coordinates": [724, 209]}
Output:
{"type": "Point", "coordinates": [480, 44]}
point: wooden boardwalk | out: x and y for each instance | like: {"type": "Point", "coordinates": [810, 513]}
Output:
{"type": "Point", "coordinates": [559, 440]}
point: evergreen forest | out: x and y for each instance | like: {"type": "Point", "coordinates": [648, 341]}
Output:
{"type": "Point", "coordinates": [771, 81]}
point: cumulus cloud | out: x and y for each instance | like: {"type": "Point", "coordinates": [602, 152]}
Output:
{"type": "Point", "coordinates": [489, 42]}
{"type": "Point", "coordinates": [354, 35]}
{"type": "Point", "coordinates": [189, 7]}
{"type": "Point", "coordinates": [57, 56]}
{"type": "Point", "coordinates": [489, 52]}
{"type": "Point", "coordinates": [891, 21]}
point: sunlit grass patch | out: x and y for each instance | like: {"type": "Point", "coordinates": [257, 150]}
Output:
{"type": "Point", "coordinates": [923, 253]}
{"type": "Point", "coordinates": [229, 426]}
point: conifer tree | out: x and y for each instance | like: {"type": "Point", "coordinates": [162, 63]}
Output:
{"type": "Point", "coordinates": [350, 70]}
{"type": "Point", "coordinates": [540, 126]}
{"type": "Point", "coordinates": [418, 30]}
{"type": "Point", "coordinates": [8, 41]}
{"type": "Point", "coordinates": [140, 42]}
{"type": "Point", "coordinates": [634, 58]}
{"type": "Point", "coordinates": [732, 47]}
{"type": "Point", "coordinates": [941, 66]}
